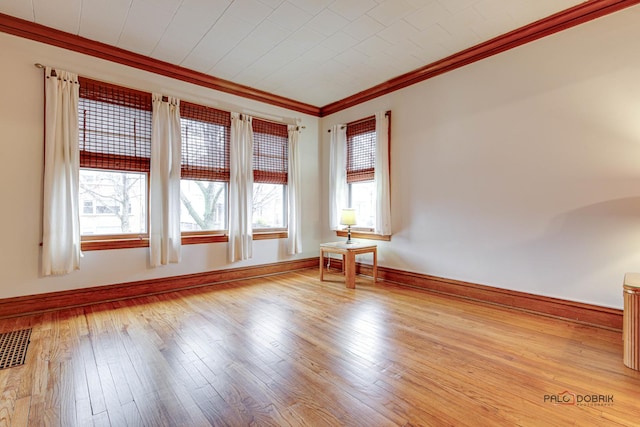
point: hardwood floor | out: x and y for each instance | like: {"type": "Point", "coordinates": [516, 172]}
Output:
{"type": "Point", "coordinates": [289, 350]}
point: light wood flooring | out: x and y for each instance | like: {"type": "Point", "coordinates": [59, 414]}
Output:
{"type": "Point", "coordinates": [289, 350]}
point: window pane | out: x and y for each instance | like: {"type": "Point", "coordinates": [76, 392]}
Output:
{"type": "Point", "coordinates": [112, 202]}
{"type": "Point", "coordinates": [204, 205]}
{"type": "Point", "coordinates": [363, 200]}
{"type": "Point", "coordinates": [268, 206]}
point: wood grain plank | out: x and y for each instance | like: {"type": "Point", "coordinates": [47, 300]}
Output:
{"type": "Point", "coordinates": [21, 412]}
{"type": "Point", "coordinates": [132, 415]}
{"type": "Point", "coordinates": [96, 395]}
{"type": "Point", "coordinates": [67, 405]}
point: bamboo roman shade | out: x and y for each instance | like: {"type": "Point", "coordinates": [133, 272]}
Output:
{"type": "Point", "coordinates": [270, 152]}
{"type": "Point", "coordinates": [206, 135]}
{"type": "Point", "coordinates": [361, 149]}
{"type": "Point", "coordinates": [114, 127]}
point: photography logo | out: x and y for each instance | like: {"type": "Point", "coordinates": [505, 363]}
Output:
{"type": "Point", "coordinates": [574, 399]}
{"type": "Point", "coordinates": [564, 398]}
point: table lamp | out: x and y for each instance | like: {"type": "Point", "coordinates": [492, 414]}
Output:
{"type": "Point", "coordinates": [348, 218]}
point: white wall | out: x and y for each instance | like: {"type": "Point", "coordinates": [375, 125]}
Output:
{"type": "Point", "coordinates": [521, 171]}
{"type": "Point", "coordinates": [21, 159]}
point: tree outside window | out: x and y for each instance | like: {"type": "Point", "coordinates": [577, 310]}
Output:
{"type": "Point", "coordinates": [113, 202]}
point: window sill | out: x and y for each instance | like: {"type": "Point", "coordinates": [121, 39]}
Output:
{"type": "Point", "coordinates": [100, 245]}
{"type": "Point", "coordinates": [274, 234]}
{"type": "Point", "coordinates": [367, 235]}
{"type": "Point", "coordinates": [195, 239]}
{"type": "Point", "coordinates": [107, 243]}
{"type": "Point", "coordinates": [217, 238]}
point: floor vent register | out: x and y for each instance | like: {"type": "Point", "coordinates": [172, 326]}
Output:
{"type": "Point", "coordinates": [13, 348]}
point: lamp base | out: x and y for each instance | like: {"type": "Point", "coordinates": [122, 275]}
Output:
{"type": "Point", "coordinates": [349, 241]}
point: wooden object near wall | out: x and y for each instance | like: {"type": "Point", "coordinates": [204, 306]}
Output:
{"type": "Point", "coordinates": [631, 326]}
{"type": "Point", "coordinates": [348, 252]}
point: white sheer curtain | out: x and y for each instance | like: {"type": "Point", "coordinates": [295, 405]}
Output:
{"type": "Point", "coordinates": [240, 188]}
{"type": "Point", "coordinates": [164, 187]}
{"type": "Point", "coordinates": [61, 216]}
{"type": "Point", "coordinates": [294, 191]}
{"type": "Point", "coordinates": [383, 195]}
{"type": "Point", "coordinates": [337, 175]}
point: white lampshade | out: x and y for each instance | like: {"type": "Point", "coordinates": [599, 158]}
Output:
{"type": "Point", "coordinates": [348, 217]}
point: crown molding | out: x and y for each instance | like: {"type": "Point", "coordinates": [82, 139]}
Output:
{"type": "Point", "coordinates": [40, 33]}
{"type": "Point", "coordinates": [560, 21]}
{"type": "Point", "coordinates": [581, 13]}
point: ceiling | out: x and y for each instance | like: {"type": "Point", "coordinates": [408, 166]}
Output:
{"type": "Point", "coordinates": [312, 51]}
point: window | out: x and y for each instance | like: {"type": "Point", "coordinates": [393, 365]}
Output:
{"type": "Point", "coordinates": [361, 149]}
{"type": "Point", "coordinates": [362, 198]}
{"type": "Point", "coordinates": [360, 165]}
{"type": "Point", "coordinates": [206, 134]}
{"type": "Point", "coordinates": [115, 146]}
{"type": "Point", "coordinates": [270, 174]}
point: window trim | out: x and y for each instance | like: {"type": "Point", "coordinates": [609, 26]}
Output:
{"type": "Point", "coordinates": [363, 234]}
{"type": "Point", "coordinates": [205, 236]}
{"type": "Point", "coordinates": [262, 234]}
{"type": "Point", "coordinates": [114, 241]}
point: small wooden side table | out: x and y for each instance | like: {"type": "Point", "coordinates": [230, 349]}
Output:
{"type": "Point", "coordinates": [631, 320]}
{"type": "Point", "coordinates": [349, 252]}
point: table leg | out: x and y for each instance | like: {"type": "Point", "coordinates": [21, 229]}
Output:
{"type": "Point", "coordinates": [350, 270]}
{"type": "Point", "coordinates": [375, 265]}
{"type": "Point", "coordinates": [321, 265]}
